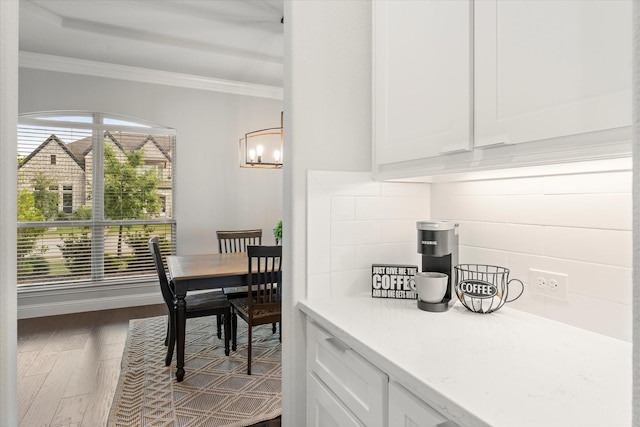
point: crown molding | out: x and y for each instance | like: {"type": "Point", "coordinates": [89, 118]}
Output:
{"type": "Point", "coordinates": [39, 61]}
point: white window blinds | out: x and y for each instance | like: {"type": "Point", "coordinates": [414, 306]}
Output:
{"type": "Point", "coordinates": [87, 215]}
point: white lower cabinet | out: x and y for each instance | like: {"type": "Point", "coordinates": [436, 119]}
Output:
{"type": "Point", "coordinates": [324, 409]}
{"type": "Point", "coordinates": [406, 410]}
{"type": "Point", "coordinates": [355, 383]}
{"type": "Point", "coordinates": [344, 389]}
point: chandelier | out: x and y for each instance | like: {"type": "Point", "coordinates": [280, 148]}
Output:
{"type": "Point", "coordinates": [262, 148]}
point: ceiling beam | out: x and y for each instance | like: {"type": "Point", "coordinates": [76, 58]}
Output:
{"type": "Point", "coordinates": [61, 64]}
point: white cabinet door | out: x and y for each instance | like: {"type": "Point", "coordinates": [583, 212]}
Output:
{"type": "Point", "coordinates": [547, 69]}
{"type": "Point", "coordinates": [406, 410]}
{"type": "Point", "coordinates": [324, 410]}
{"type": "Point", "coordinates": [421, 79]}
{"type": "Point", "coordinates": [361, 387]}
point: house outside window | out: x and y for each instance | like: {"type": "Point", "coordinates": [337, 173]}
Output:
{"type": "Point", "coordinates": [113, 200]}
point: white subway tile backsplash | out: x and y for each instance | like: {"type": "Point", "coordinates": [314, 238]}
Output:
{"type": "Point", "coordinates": [501, 236]}
{"type": "Point", "coordinates": [354, 232]}
{"type": "Point", "coordinates": [319, 227]}
{"type": "Point", "coordinates": [600, 316]}
{"type": "Point", "coordinates": [347, 183]}
{"type": "Point", "coordinates": [576, 224]}
{"type": "Point", "coordinates": [530, 210]}
{"type": "Point", "coordinates": [392, 253]}
{"type": "Point", "coordinates": [531, 303]}
{"type": "Point", "coordinates": [405, 189]}
{"type": "Point", "coordinates": [343, 258]}
{"type": "Point", "coordinates": [398, 231]}
{"type": "Point", "coordinates": [382, 208]}
{"type": "Point", "coordinates": [350, 282]}
{"type": "Point", "coordinates": [593, 183]}
{"type": "Point", "coordinates": [611, 247]}
{"type": "Point", "coordinates": [470, 208]}
{"type": "Point", "coordinates": [608, 283]}
{"type": "Point", "coordinates": [318, 285]}
{"type": "Point", "coordinates": [474, 255]}
{"type": "Point", "coordinates": [343, 208]}
{"type": "Point", "coordinates": [492, 187]}
{"type": "Point", "coordinates": [608, 211]}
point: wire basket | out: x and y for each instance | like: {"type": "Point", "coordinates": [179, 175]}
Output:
{"type": "Point", "coordinates": [484, 288]}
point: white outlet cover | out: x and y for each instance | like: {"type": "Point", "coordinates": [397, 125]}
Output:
{"type": "Point", "coordinates": [558, 291]}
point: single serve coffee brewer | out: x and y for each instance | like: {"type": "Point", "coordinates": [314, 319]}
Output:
{"type": "Point", "coordinates": [438, 244]}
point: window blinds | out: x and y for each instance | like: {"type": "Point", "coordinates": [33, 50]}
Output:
{"type": "Point", "coordinates": [92, 189]}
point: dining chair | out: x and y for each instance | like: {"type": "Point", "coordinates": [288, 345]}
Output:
{"type": "Point", "coordinates": [237, 241]}
{"type": "Point", "coordinates": [262, 304]}
{"type": "Point", "coordinates": [198, 305]}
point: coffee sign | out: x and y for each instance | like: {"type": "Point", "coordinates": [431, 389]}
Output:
{"type": "Point", "coordinates": [477, 288]}
{"type": "Point", "coordinates": [393, 281]}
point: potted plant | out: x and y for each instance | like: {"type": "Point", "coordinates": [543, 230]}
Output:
{"type": "Point", "coordinates": [277, 232]}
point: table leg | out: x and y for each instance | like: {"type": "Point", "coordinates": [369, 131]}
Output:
{"type": "Point", "coordinates": [181, 326]}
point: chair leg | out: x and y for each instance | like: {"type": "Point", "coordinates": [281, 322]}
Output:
{"type": "Point", "coordinates": [172, 341]}
{"type": "Point", "coordinates": [249, 339]}
{"type": "Point", "coordinates": [273, 328]}
{"type": "Point", "coordinates": [227, 333]}
{"type": "Point", "coordinates": [166, 338]}
{"type": "Point", "coordinates": [219, 325]}
{"type": "Point", "coordinates": [234, 330]}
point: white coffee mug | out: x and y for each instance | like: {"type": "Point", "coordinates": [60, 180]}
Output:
{"type": "Point", "coordinates": [431, 286]}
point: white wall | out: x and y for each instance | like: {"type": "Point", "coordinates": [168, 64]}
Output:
{"type": "Point", "coordinates": [213, 192]}
{"type": "Point", "coordinates": [327, 126]}
{"type": "Point", "coordinates": [8, 201]}
{"type": "Point", "coordinates": [636, 212]}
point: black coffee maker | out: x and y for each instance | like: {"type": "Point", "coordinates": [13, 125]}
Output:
{"type": "Point", "coordinates": [438, 244]}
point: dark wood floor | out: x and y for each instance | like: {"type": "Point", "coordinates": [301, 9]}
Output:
{"type": "Point", "coordinates": [68, 366]}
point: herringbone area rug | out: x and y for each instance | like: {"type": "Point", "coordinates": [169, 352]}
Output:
{"type": "Point", "coordinates": [216, 390]}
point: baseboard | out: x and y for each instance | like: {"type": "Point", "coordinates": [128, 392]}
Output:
{"type": "Point", "coordinates": [26, 311]}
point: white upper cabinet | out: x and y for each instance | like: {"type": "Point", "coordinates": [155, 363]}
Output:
{"type": "Point", "coordinates": [548, 69]}
{"type": "Point", "coordinates": [537, 81]}
{"type": "Point", "coordinates": [421, 79]}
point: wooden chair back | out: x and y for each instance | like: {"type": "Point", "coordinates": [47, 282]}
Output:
{"type": "Point", "coordinates": [167, 292]}
{"type": "Point", "coordinates": [238, 240]}
{"type": "Point", "coordinates": [264, 293]}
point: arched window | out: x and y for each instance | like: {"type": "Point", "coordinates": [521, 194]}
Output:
{"type": "Point", "coordinates": [92, 189]}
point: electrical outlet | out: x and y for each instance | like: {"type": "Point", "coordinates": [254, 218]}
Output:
{"type": "Point", "coordinates": [549, 284]}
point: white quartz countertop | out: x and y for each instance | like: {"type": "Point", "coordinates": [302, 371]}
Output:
{"type": "Point", "coordinates": [506, 368]}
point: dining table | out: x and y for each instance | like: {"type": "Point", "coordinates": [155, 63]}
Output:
{"type": "Point", "coordinates": [201, 271]}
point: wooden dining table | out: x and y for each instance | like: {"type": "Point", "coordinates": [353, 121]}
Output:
{"type": "Point", "coordinates": [201, 271]}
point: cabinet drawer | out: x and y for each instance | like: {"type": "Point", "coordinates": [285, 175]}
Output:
{"type": "Point", "coordinates": [406, 410]}
{"type": "Point", "coordinates": [324, 410]}
{"type": "Point", "coordinates": [362, 387]}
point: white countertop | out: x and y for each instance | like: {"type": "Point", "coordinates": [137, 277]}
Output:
{"type": "Point", "coordinates": [507, 368]}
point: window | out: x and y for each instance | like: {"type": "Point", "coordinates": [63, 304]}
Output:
{"type": "Point", "coordinates": [67, 199]}
{"type": "Point", "coordinates": [113, 199]}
